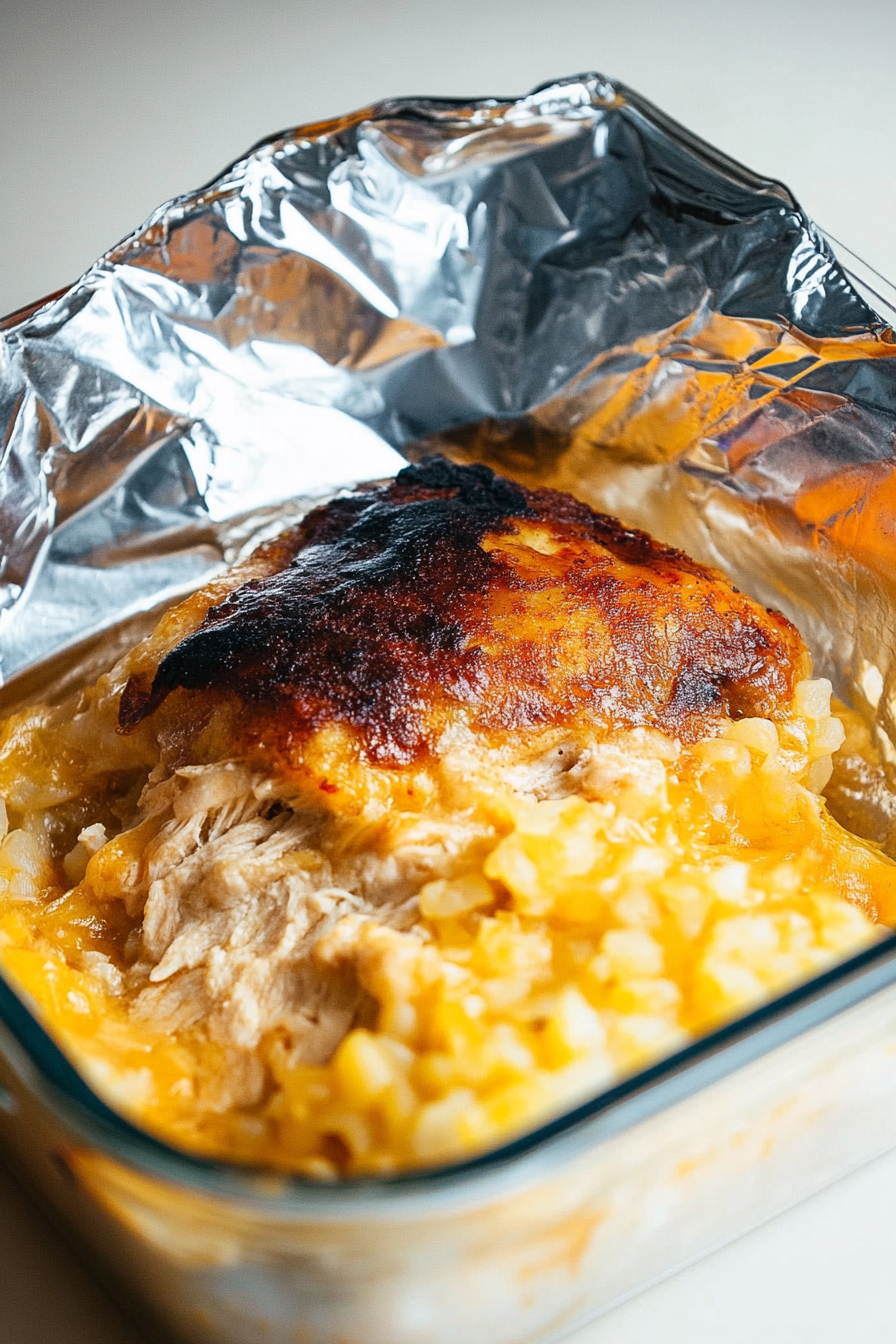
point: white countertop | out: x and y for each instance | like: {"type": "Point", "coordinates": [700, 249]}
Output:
{"type": "Point", "coordinates": [108, 107]}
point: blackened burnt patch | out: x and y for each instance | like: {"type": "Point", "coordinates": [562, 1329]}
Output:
{"type": "Point", "coordinates": [369, 617]}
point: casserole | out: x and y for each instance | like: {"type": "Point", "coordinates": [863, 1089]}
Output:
{"type": "Point", "coordinates": [693, 408]}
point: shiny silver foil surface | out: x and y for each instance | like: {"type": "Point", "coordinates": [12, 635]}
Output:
{"type": "Point", "coordinates": [568, 285]}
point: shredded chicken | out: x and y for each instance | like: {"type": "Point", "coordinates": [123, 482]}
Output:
{"type": "Point", "coordinates": [234, 898]}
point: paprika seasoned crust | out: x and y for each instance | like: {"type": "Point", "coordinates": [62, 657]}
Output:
{"type": "Point", "coordinates": [452, 598]}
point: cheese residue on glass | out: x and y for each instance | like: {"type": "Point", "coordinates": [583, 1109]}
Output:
{"type": "Point", "coordinates": [334, 953]}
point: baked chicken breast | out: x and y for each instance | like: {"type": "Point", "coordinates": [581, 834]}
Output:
{"type": "Point", "coordinates": [452, 599]}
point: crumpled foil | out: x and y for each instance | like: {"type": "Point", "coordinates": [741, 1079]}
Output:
{"type": "Point", "coordinates": [569, 286]}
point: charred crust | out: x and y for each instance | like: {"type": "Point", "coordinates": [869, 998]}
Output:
{"type": "Point", "coordinates": [388, 614]}
{"type": "Point", "coordinates": [136, 701]}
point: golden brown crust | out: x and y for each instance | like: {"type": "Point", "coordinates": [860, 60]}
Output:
{"type": "Point", "coordinates": [452, 593]}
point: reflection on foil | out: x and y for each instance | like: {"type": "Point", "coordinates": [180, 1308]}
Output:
{"type": "Point", "coordinates": [568, 285]}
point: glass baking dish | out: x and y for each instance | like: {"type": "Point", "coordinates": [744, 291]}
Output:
{"type": "Point", "coordinates": [526, 1242]}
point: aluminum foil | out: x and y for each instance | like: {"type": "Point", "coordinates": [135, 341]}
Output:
{"type": "Point", "coordinates": [568, 285]}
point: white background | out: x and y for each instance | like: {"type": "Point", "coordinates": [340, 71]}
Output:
{"type": "Point", "coordinates": [108, 107]}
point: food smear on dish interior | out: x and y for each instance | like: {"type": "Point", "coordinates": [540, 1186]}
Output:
{"type": "Point", "coordinates": [431, 819]}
